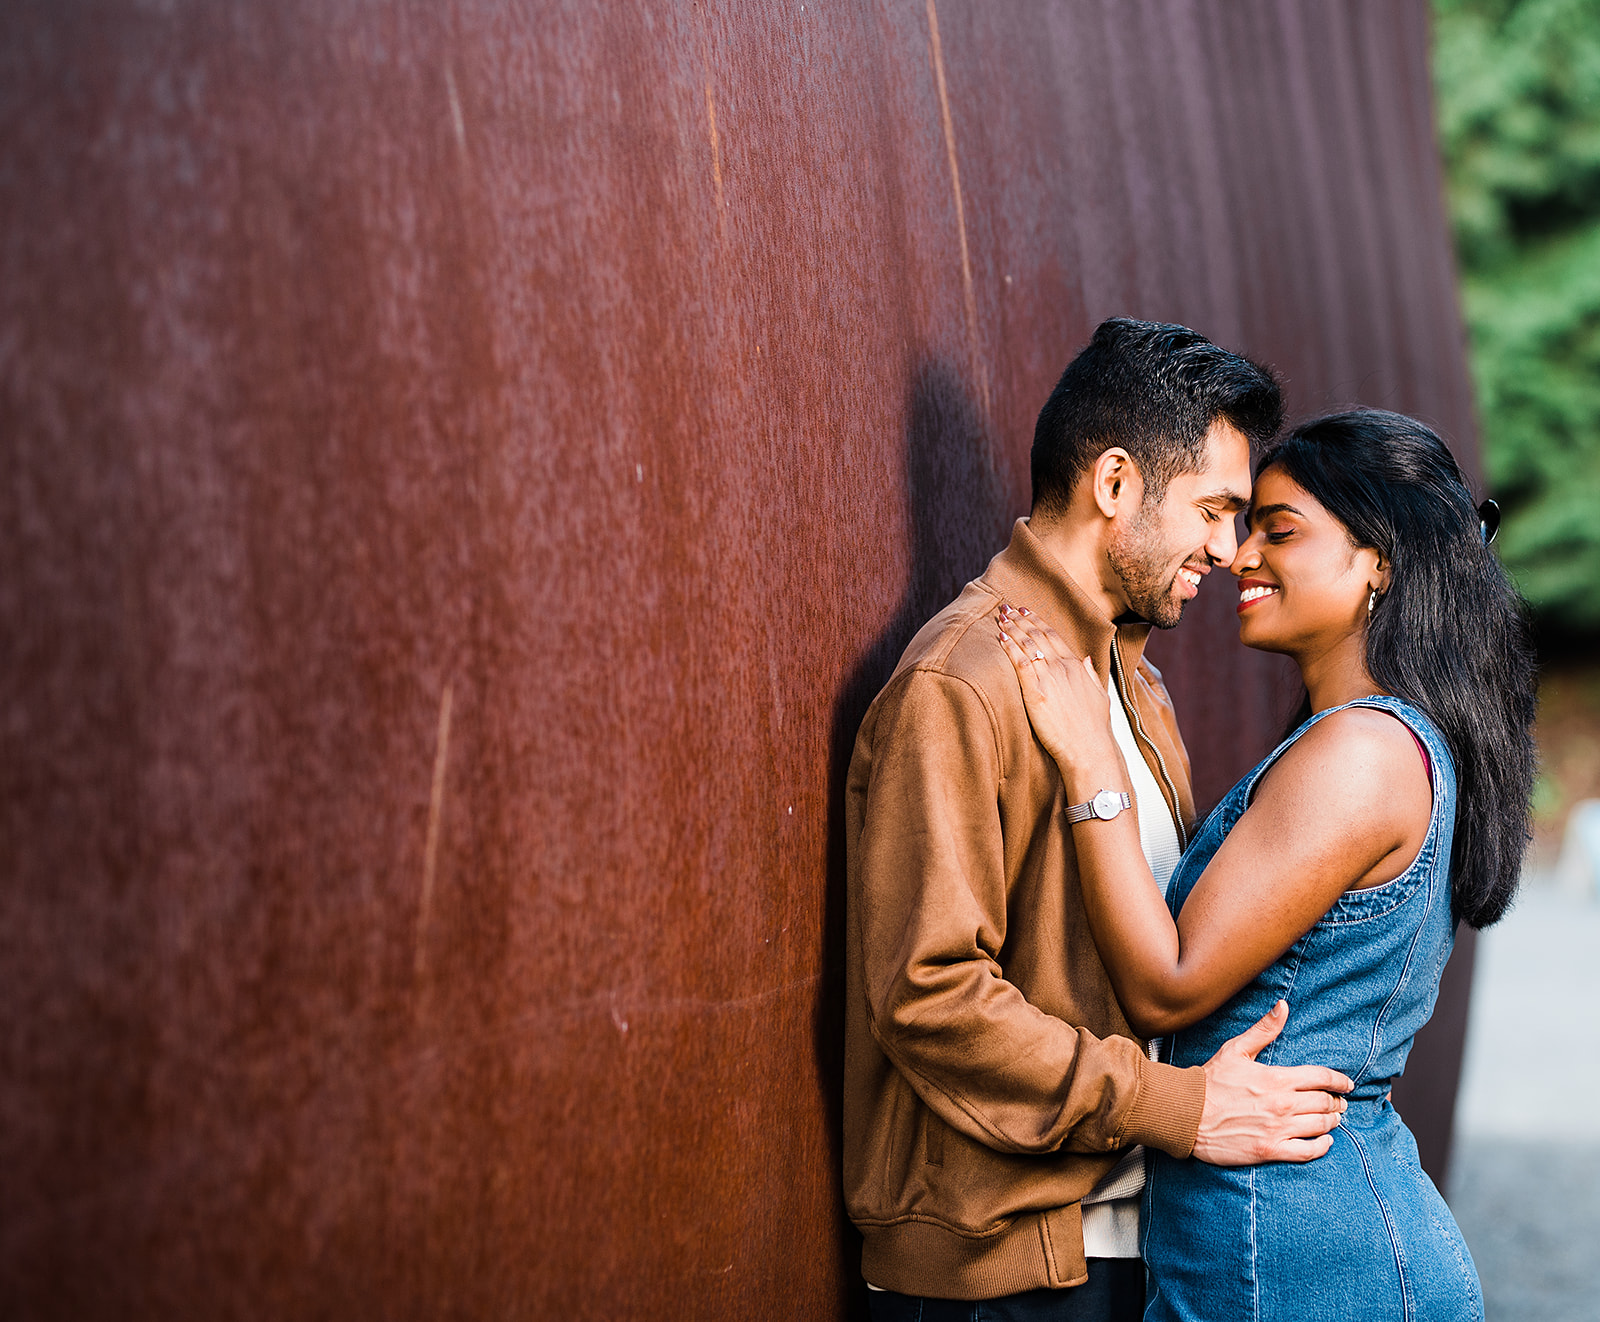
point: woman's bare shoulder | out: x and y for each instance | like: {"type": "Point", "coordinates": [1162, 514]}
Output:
{"type": "Point", "coordinates": [1361, 758]}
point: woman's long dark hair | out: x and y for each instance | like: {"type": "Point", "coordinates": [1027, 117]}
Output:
{"type": "Point", "coordinates": [1450, 635]}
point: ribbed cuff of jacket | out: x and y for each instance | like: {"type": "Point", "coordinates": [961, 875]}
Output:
{"type": "Point", "coordinates": [1166, 1112]}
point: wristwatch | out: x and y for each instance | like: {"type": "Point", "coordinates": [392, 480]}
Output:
{"type": "Point", "coordinates": [1105, 805]}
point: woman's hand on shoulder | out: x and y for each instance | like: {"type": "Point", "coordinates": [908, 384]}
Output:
{"type": "Point", "coordinates": [1068, 705]}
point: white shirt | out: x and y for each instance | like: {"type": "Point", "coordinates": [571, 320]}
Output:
{"type": "Point", "coordinates": [1111, 1211]}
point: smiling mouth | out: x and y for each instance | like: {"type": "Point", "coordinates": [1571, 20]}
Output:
{"type": "Point", "coordinates": [1254, 594]}
{"type": "Point", "coordinates": [1189, 576]}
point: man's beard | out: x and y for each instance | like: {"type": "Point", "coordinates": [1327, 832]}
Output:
{"type": "Point", "coordinates": [1140, 561]}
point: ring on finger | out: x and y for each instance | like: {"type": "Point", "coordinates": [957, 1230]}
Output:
{"type": "Point", "coordinates": [1038, 656]}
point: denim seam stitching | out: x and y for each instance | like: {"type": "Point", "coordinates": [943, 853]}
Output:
{"type": "Point", "coordinates": [1255, 1269]}
{"type": "Point", "coordinates": [1403, 978]}
{"type": "Point", "coordinates": [1298, 953]}
{"type": "Point", "coordinates": [1388, 1223]}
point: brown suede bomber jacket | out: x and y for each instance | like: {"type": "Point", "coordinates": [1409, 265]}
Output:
{"type": "Point", "coordinates": [990, 1077]}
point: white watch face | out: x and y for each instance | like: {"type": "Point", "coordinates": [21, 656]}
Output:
{"type": "Point", "coordinates": [1107, 804]}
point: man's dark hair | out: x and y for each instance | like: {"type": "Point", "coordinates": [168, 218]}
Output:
{"type": "Point", "coordinates": [1154, 389]}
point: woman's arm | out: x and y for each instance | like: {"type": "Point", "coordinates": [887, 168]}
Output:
{"type": "Point", "coordinates": [1341, 808]}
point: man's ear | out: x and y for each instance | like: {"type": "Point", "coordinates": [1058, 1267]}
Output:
{"type": "Point", "coordinates": [1115, 482]}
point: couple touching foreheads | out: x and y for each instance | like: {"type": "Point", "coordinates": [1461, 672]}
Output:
{"type": "Point", "coordinates": [1104, 1061]}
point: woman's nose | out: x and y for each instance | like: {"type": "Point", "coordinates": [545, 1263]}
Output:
{"type": "Point", "coordinates": [1248, 557]}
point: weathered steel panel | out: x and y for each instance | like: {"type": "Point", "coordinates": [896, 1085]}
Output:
{"type": "Point", "coordinates": [468, 466]}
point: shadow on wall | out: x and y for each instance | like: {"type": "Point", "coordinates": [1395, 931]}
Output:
{"type": "Point", "coordinates": [959, 519]}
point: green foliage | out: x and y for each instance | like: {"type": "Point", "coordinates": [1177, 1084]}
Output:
{"type": "Point", "coordinates": [1518, 90]}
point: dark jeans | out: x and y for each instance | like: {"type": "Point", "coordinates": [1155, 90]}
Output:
{"type": "Point", "coordinates": [1114, 1292]}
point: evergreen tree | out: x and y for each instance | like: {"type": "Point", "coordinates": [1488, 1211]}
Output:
{"type": "Point", "coordinates": [1518, 92]}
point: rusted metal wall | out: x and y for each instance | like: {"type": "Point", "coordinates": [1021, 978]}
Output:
{"type": "Point", "coordinates": [467, 468]}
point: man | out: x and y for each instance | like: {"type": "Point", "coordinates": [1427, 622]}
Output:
{"type": "Point", "coordinates": [995, 1098]}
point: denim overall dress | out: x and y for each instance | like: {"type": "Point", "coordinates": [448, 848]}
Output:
{"type": "Point", "coordinates": [1361, 1232]}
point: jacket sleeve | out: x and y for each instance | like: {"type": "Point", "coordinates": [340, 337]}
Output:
{"type": "Point", "coordinates": [932, 905]}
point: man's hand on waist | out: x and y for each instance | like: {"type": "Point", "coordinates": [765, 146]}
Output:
{"type": "Point", "coordinates": [1255, 1113]}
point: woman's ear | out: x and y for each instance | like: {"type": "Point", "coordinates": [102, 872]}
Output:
{"type": "Point", "coordinates": [1379, 574]}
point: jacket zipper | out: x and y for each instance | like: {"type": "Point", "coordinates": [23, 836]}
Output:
{"type": "Point", "coordinates": [1138, 725]}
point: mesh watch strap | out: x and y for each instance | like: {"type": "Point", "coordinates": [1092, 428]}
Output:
{"type": "Point", "coordinates": [1082, 812]}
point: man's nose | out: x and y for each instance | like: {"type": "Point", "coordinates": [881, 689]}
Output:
{"type": "Point", "coordinates": [1223, 544]}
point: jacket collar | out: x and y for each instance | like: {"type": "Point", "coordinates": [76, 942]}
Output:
{"type": "Point", "coordinates": [1026, 574]}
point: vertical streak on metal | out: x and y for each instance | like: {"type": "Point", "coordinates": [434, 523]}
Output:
{"type": "Point", "coordinates": [456, 120]}
{"type": "Point", "coordinates": [716, 152]}
{"type": "Point", "coordinates": [430, 850]}
{"type": "Point", "coordinates": [714, 136]}
{"type": "Point", "coordinates": [961, 214]}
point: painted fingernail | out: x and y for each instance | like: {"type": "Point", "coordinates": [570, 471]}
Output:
{"type": "Point", "coordinates": [1026, 611]}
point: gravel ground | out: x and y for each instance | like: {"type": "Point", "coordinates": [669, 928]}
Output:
{"type": "Point", "coordinates": [1525, 1179]}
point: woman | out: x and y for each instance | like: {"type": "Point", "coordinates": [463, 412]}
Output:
{"type": "Point", "coordinates": [1331, 877]}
